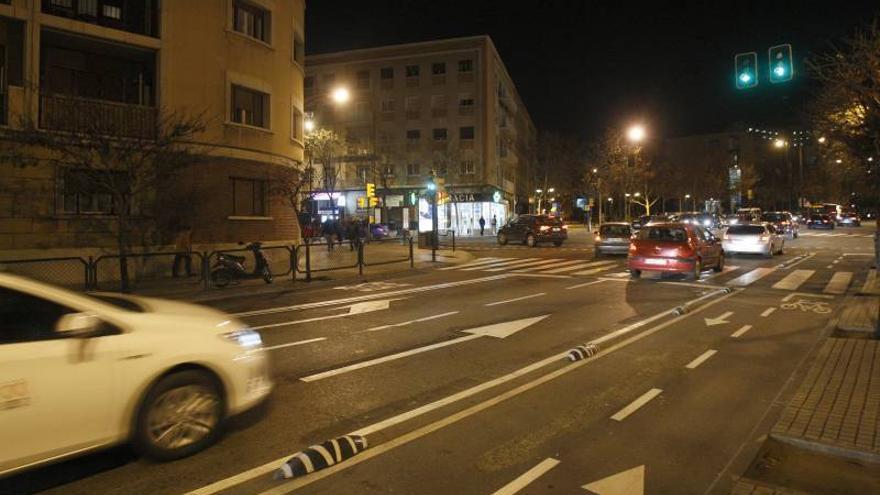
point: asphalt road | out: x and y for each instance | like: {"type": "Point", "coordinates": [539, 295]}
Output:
{"type": "Point", "coordinates": [458, 378]}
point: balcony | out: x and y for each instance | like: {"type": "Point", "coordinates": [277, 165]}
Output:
{"type": "Point", "coordinates": [74, 114]}
{"type": "Point", "coordinates": [133, 16]}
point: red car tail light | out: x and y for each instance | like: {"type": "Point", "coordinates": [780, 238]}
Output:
{"type": "Point", "coordinates": [632, 248]}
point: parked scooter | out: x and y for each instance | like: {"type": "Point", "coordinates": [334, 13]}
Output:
{"type": "Point", "coordinates": [230, 267]}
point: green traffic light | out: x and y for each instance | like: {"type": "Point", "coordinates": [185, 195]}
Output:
{"type": "Point", "coordinates": [779, 71]}
{"type": "Point", "coordinates": [745, 77]}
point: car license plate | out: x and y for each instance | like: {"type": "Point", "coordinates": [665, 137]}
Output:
{"type": "Point", "coordinates": [655, 261]}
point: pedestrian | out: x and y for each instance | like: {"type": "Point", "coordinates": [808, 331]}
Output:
{"type": "Point", "coordinates": [353, 235]}
{"type": "Point", "coordinates": [482, 225]}
{"type": "Point", "coordinates": [328, 232]}
{"type": "Point", "coordinates": [183, 254]}
{"type": "Point", "coordinates": [494, 224]}
{"type": "Point", "coordinates": [340, 231]}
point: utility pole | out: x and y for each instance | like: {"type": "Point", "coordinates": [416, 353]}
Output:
{"type": "Point", "coordinates": [432, 197]}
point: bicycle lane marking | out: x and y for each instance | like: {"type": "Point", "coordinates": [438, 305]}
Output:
{"type": "Point", "coordinates": [816, 303]}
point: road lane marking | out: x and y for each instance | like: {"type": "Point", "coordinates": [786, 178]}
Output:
{"type": "Point", "coordinates": [354, 309]}
{"type": "Point", "coordinates": [870, 282]}
{"type": "Point", "coordinates": [524, 265]}
{"type": "Point", "coordinates": [537, 275]}
{"type": "Point", "coordinates": [804, 294]}
{"type": "Point", "coordinates": [751, 277]}
{"type": "Point", "coordinates": [838, 283]}
{"type": "Point", "coordinates": [725, 270]}
{"type": "Point", "coordinates": [539, 294]}
{"type": "Point", "coordinates": [745, 328]}
{"type": "Point", "coordinates": [563, 263]}
{"type": "Point", "coordinates": [802, 260]}
{"type": "Point", "coordinates": [835, 262]}
{"type": "Point", "coordinates": [701, 359]}
{"type": "Point", "coordinates": [292, 344]}
{"type": "Point", "coordinates": [270, 466]}
{"type": "Point", "coordinates": [718, 320]}
{"type": "Point", "coordinates": [594, 271]}
{"type": "Point", "coordinates": [794, 279]}
{"type": "Point", "coordinates": [526, 478]}
{"type": "Point", "coordinates": [410, 322]}
{"type": "Point", "coordinates": [581, 265]}
{"type": "Point", "coordinates": [696, 285]}
{"type": "Point", "coordinates": [585, 284]}
{"type": "Point", "coordinates": [478, 261]}
{"type": "Point", "coordinates": [368, 297]}
{"type": "Point", "coordinates": [636, 404]}
{"type": "Point", "coordinates": [514, 262]}
{"type": "Point", "coordinates": [629, 482]}
{"type": "Point", "coordinates": [829, 267]}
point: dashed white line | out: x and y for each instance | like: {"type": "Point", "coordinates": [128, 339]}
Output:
{"type": "Point", "coordinates": [539, 294]}
{"type": "Point", "coordinates": [292, 344]}
{"type": "Point", "coordinates": [767, 312]}
{"type": "Point", "coordinates": [578, 286]}
{"type": "Point", "coordinates": [701, 359]}
{"type": "Point", "coordinates": [739, 333]}
{"type": "Point", "coordinates": [636, 404]}
{"type": "Point", "coordinates": [410, 322]}
{"type": "Point", "coordinates": [526, 478]}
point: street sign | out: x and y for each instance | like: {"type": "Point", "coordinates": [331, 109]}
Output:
{"type": "Point", "coordinates": [371, 190]}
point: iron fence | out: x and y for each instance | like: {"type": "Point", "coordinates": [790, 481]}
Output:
{"type": "Point", "coordinates": [71, 272]}
{"type": "Point", "coordinates": [145, 268]}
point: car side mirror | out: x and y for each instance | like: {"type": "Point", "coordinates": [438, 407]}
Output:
{"type": "Point", "coordinates": [78, 325]}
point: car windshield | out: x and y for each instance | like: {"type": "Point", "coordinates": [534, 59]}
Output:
{"type": "Point", "coordinates": [746, 230]}
{"type": "Point", "coordinates": [665, 234]}
{"type": "Point", "coordinates": [774, 217]}
{"type": "Point", "coordinates": [614, 231]}
{"type": "Point", "coordinates": [555, 222]}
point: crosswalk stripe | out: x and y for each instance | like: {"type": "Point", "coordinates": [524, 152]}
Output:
{"type": "Point", "coordinates": [479, 261]}
{"type": "Point", "coordinates": [579, 267]}
{"type": "Point", "coordinates": [751, 277]}
{"type": "Point", "coordinates": [838, 283]}
{"type": "Point", "coordinates": [594, 271]}
{"type": "Point", "coordinates": [517, 261]}
{"type": "Point", "coordinates": [523, 265]}
{"type": "Point", "coordinates": [794, 279]}
{"type": "Point", "coordinates": [531, 269]}
{"type": "Point", "coordinates": [727, 269]}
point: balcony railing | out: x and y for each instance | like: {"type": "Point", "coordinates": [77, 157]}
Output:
{"type": "Point", "coordinates": [132, 16]}
{"type": "Point", "coordinates": [72, 114]}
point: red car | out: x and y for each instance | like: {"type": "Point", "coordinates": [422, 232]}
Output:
{"type": "Point", "coordinates": [675, 247]}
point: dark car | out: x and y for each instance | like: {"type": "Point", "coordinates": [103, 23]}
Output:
{"type": "Point", "coordinates": [820, 222]}
{"type": "Point", "coordinates": [783, 222]}
{"type": "Point", "coordinates": [532, 229]}
{"type": "Point", "coordinates": [675, 247]}
{"type": "Point", "coordinates": [613, 238]}
{"type": "Point", "coordinates": [849, 219]}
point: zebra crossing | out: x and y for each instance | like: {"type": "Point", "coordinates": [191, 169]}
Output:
{"type": "Point", "coordinates": [834, 282]}
{"type": "Point", "coordinates": [837, 234]}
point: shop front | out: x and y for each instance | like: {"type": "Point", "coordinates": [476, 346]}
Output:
{"type": "Point", "coordinates": [461, 212]}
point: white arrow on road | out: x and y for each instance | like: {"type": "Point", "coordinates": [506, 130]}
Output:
{"type": "Point", "coordinates": [498, 330]}
{"type": "Point", "coordinates": [353, 309]}
{"type": "Point", "coordinates": [629, 482]}
{"type": "Point", "coordinates": [719, 320]}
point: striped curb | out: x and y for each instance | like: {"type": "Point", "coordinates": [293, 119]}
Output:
{"type": "Point", "coordinates": [582, 352]}
{"type": "Point", "coordinates": [321, 456]}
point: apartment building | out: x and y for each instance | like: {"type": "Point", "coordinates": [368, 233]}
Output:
{"type": "Point", "coordinates": [449, 106]}
{"type": "Point", "coordinates": [237, 63]}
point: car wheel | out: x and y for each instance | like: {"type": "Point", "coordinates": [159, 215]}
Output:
{"type": "Point", "coordinates": [531, 241]}
{"type": "Point", "coordinates": [635, 273]}
{"type": "Point", "coordinates": [698, 270]}
{"type": "Point", "coordinates": [794, 236]}
{"type": "Point", "coordinates": [719, 267]}
{"type": "Point", "coordinates": [557, 243]}
{"type": "Point", "coordinates": [221, 278]}
{"type": "Point", "coordinates": [769, 253]}
{"type": "Point", "coordinates": [180, 415]}
{"type": "Point", "coordinates": [502, 239]}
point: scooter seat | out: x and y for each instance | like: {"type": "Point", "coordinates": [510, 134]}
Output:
{"type": "Point", "coordinates": [234, 257]}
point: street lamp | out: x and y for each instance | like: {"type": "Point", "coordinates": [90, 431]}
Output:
{"type": "Point", "coordinates": [821, 140]}
{"type": "Point", "coordinates": [779, 143]}
{"type": "Point", "coordinates": [341, 95]}
{"type": "Point", "coordinates": [636, 133]}
{"type": "Point", "coordinates": [309, 125]}
{"type": "Point", "coordinates": [681, 206]}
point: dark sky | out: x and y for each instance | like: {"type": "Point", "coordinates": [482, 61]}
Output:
{"type": "Point", "coordinates": [583, 65]}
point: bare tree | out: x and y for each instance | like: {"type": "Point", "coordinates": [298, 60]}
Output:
{"type": "Point", "coordinates": [323, 147]}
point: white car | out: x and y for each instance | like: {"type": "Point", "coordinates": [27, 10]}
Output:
{"type": "Point", "coordinates": [753, 238]}
{"type": "Point", "coordinates": [81, 372]}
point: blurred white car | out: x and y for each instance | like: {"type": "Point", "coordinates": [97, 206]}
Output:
{"type": "Point", "coordinates": [80, 372]}
{"type": "Point", "coordinates": [753, 238]}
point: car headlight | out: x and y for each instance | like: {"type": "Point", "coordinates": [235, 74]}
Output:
{"type": "Point", "coordinates": [245, 338]}
{"type": "Point", "coordinates": [707, 222]}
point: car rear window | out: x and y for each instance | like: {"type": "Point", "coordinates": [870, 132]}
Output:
{"type": "Point", "coordinates": [614, 231]}
{"type": "Point", "coordinates": [745, 230]}
{"type": "Point", "coordinates": [774, 217]}
{"type": "Point", "coordinates": [666, 234]}
{"type": "Point", "coordinates": [555, 222]}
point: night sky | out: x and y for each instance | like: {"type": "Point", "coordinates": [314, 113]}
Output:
{"type": "Point", "coordinates": [581, 66]}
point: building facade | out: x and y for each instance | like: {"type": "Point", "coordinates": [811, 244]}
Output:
{"type": "Point", "coordinates": [445, 106]}
{"type": "Point", "coordinates": [238, 64]}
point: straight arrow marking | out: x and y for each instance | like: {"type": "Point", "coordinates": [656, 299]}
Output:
{"type": "Point", "coordinates": [354, 309]}
{"type": "Point", "coordinates": [719, 320]}
{"type": "Point", "coordinates": [629, 482]}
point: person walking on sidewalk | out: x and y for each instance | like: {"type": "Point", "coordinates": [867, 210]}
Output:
{"type": "Point", "coordinates": [494, 224]}
{"type": "Point", "coordinates": [482, 225]}
{"type": "Point", "coordinates": [354, 236]}
{"type": "Point", "coordinates": [329, 232]}
{"type": "Point", "coordinates": [183, 246]}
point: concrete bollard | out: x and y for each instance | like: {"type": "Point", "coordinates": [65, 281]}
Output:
{"type": "Point", "coordinates": [321, 456]}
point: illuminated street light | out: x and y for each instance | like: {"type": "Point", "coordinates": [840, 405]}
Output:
{"type": "Point", "coordinates": [637, 194]}
{"type": "Point", "coordinates": [539, 191]}
{"type": "Point", "coordinates": [838, 161]}
{"type": "Point", "coordinates": [309, 125]}
{"type": "Point", "coordinates": [870, 158]}
{"type": "Point", "coordinates": [551, 190]}
{"type": "Point", "coordinates": [822, 140]}
{"type": "Point", "coordinates": [779, 143]}
{"type": "Point", "coordinates": [636, 133]}
{"type": "Point", "coordinates": [341, 95]}
{"type": "Point", "coordinates": [596, 170]}
{"type": "Point", "coordinates": [627, 195]}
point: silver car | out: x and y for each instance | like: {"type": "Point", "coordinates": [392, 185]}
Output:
{"type": "Point", "coordinates": [613, 238]}
{"type": "Point", "coordinates": [756, 238]}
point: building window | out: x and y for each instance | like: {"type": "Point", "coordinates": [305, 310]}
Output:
{"type": "Point", "coordinates": [412, 71]}
{"type": "Point", "coordinates": [413, 134]}
{"type": "Point", "coordinates": [388, 171]}
{"type": "Point", "coordinates": [466, 132]}
{"type": "Point", "coordinates": [466, 66]}
{"type": "Point", "coordinates": [387, 105]}
{"type": "Point", "coordinates": [250, 107]}
{"type": "Point", "coordinates": [440, 134]}
{"type": "Point", "coordinates": [248, 197]}
{"type": "Point", "coordinates": [465, 100]}
{"type": "Point", "coordinates": [251, 20]}
{"type": "Point", "coordinates": [363, 79]}
{"type": "Point", "coordinates": [412, 169]}
{"type": "Point", "coordinates": [88, 8]}
{"type": "Point", "coordinates": [111, 11]}
{"type": "Point", "coordinates": [363, 171]}
{"type": "Point", "coordinates": [411, 103]}
{"type": "Point", "coordinates": [80, 195]}
{"type": "Point", "coordinates": [296, 124]}
{"type": "Point", "coordinates": [328, 79]}
{"type": "Point", "coordinates": [386, 73]}
{"type": "Point", "coordinates": [438, 69]}
{"type": "Point", "coordinates": [299, 48]}
{"type": "Point", "coordinates": [65, 4]}
{"type": "Point", "coordinates": [467, 167]}
{"type": "Point", "coordinates": [440, 169]}
{"type": "Point", "coordinates": [438, 101]}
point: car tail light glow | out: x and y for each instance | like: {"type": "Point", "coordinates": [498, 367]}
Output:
{"type": "Point", "coordinates": [598, 238]}
{"type": "Point", "coordinates": [544, 228]}
{"type": "Point", "coordinates": [765, 238]}
{"type": "Point", "coordinates": [632, 248]}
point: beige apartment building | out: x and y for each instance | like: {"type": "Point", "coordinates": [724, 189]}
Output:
{"type": "Point", "coordinates": [449, 106]}
{"type": "Point", "coordinates": [238, 63]}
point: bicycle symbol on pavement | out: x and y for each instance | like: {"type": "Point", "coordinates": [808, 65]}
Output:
{"type": "Point", "coordinates": [806, 305]}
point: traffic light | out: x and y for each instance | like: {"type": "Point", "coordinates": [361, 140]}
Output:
{"type": "Point", "coordinates": [371, 190]}
{"type": "Point", "coordinates": [746, 70]}
{"type": "Point", "coordinates": [781, 65]}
